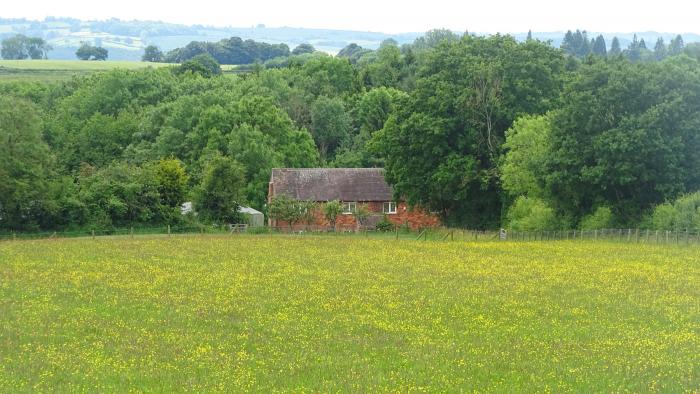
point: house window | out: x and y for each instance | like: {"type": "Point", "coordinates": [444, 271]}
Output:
{"type": "Point", "coordinates": [349, 208]}
{"type": "Point", "coordinates": [390, 207]}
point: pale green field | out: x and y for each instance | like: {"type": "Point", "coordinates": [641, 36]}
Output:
{"type": "Point", "coordinates": [76, 65]}
{"type": "Point", "coordinates": [61, 70]}
{"type": "Point", "coordinates": [330, 314]}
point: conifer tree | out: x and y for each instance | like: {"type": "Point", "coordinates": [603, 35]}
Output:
{"type": "Point", "coordinates": [676, 46]}
{"type": "Point", "coordinates": [615, 49]}
{"type": "Point", "coordinates": [660, 49]}
{"type": "Point", "coordinates": [599, 46]}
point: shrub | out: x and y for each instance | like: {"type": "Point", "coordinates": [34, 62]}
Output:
{"type": "Point", "coordinates": [599, 219]}
{"type": "Point", "coordinates": [531, 214]}
{"type": "Point", "coordinates": [331, 210]}
{"type": "Point", "coordinates": [385, 225]}
{"type": "Point", "coordinates": [684, 213]}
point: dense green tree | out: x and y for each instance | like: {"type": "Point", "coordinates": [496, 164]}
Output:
{"type": "Point", "coordinates": [442, 148]}
{"type": "Point", "coordinates": [22, 47]}
{"type": "Point", "coordinates": [599, 48]}
{"type": "Point", "coordinates": [372, 111]}
{"type": "Point", "coordinates": [433, 38]}
{"type": "Point", "coordinates": [660, 51]}
{"type": "Point", "coordinates": [615, 48]}
{"type": "Point", "coordinates": [576, 44]}
{"type": "Point", "coordinates": [676, 46]}
{"type": "Point", "coordinates": [385, 70]}
{"type": "Point", "coordinates": [90, 52]}
{"type": "Point", "coordinates": [527, 146]}
{"type": "Point", "coordinates": [353, 52]}
{"type": "Point", "coordinates": [219, 196]}
{"type": "Point", "coordinates": [625, 137]}
{"type": "Point", "coordinates": [303, 48]}
{"type": "Point", "coordinates": [122, 195]}
{"type": "Point", "coordinates": [172, 182]}
{"type": "Point", "coordinates": [152, 54]}
{"type": "Point", "coordinates": [202, 64]}
{"type": "Point", "coordinates": [24, 164]}
{"type": "Point", "coordinates": [331, 125]}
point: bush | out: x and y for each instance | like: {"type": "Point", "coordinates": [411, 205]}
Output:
{"type": "Point", "coordinates": [599, 219]}
{"type": "Point", "coordinates": [684, 213]}
{"type": "Point", "coordinates": [531, 214]}
{"type": "Point", "coordinates": [385, 225]}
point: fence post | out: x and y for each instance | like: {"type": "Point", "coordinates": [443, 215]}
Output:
{"type": "Point", "coordinates": [636, 235]}
{"type": "Point", "coordinates": [168, 230]}
{"type": "Point", "coordinates": [397, 233]}
{"type": "Point", "coordinates": [93, 234]}
{"type": "Point", "coordinates": [132, 233]}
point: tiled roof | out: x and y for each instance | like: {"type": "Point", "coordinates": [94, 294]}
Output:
{"type": "Point", "coordinates": [327, 184]}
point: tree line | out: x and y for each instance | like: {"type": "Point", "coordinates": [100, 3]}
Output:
{"type": "Point", "coordinates": [486, 131]}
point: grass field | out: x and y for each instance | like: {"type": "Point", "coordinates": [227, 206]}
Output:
{"type": "Point", "coordinates": [60, 70]}
{"type": "Point", "coordinates": [279, 313]}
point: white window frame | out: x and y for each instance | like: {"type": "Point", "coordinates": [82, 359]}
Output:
{"type": "Point", "coordinates": [349, 207]}
{"type": "Point", "coordinates": [386, 208]}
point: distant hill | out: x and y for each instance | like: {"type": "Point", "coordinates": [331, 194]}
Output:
{"type": "Point", "coordinates": [126, 39]}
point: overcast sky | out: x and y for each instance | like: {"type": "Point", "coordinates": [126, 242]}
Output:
{"type": "Point", "coordinates": [486, 16]}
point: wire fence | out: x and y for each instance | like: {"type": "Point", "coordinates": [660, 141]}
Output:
{"type": "Point", "coordinates": [640, 236]}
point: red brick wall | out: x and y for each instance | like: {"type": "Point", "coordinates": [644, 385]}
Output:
{"type": "Point", "coordinates": [415, 218]}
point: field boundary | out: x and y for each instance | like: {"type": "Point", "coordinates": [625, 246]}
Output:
{"type": "Point", "coordinates": [630, 236]}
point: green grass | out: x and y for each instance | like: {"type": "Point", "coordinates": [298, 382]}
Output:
{"type": "Point", "coordinates": [61, 70]}
{"type": "Point", "coordinates": [286, 313]}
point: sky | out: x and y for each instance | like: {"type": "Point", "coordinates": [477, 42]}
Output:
{"type": "Point", "coordinates": [483, 16]}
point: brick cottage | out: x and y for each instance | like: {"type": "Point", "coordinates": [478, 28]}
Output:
{"type": "Point", "coordinates": [353, 187]}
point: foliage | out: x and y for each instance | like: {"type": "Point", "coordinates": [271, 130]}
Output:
{"type": "Point", "coordinates": [203, 64]}
{"type": "Point", "coordinates": [303, 48]}
{"type": "Point", "coordinates": [152, 54]}
{"type": "Point", "coordinates": [361, 214]}
{"type": "Point", "coordinates": [232, 50]}
{"type": "Point", "coordinates": [384, 225]}
{"type": "Point", "coordinates": [601, 218]}
{"type": "Point", "coordinates": [172, 182]}
{"type": "Point", "coordinates": [625, 137]}
{"type": "Point", "coordinates": [527, 145]}
{"type": "Point", "coordinates": [289, 210]}
{"type": "Point", "coordinates": [532, 214]}
{"type": "Point", "coordinates": [90, 52]}
{"type": "Point", "coordinates": [220, 194]}
{"type": "Point", "coordinates": [330, 125]}
{"type": "Point", "coordinates": [331, 211]}
{"type": "Point", "coordinates": [682, 214]}
{"type": "Point", "coordinates": [22, 47]}
{"type": "Point", "coordinates": [24, 164]}
{"type": "Point", "coordinates": [442, 148]}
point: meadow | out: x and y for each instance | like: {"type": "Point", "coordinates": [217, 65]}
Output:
{"type": "Point", "coordinates": [62, 70]}
{"type": "Point", "coordinates": [286, 313]}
